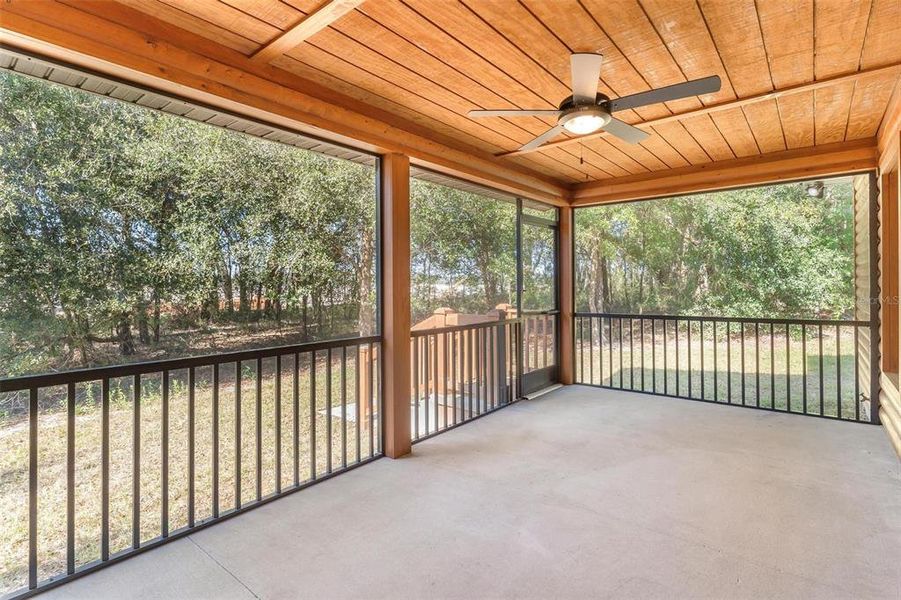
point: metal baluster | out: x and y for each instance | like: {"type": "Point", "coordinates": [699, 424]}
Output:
{"type": "Point", "coordinates": [214, 442]}
{"type": "Point", "coordinates": [820, 345]}
{"type": "Point", "coordinates": [191, 470]}
{"type": "Point", "coordinates": [788, 387]}
{"type": "Point", "coordinates": [716, 370]}
{"type": "Point", "coordinates": [676, 335]}
{"type": "Point", "coordinates": [772, 369]}
{"type": "Point", "coordinates": [729, 361]}
{"type": "Point", "coordinates": [654, 355]}
{"type": "Point", "coordinates": [358, 414]}
{"type": "Point", "coordinates": [620, 320]}
{"type": "Point", "coordinates": [328, 410]}
{"type": "Point", "coordinates": [479, 372]}
{"type": "Point", "coordinates": [343, 407]}
{"type": "Point", "coordinates": [104, 469]}
{"type": "Point", "coordinates": [313, 414]}
{"type": "Point", "coordinates": [838, 372]}
{"type": "Point", "coordinates": [609, 346]}
{"type": "Point", "coordinates": [631, 355]}
{"type": "Point", "coordinates": [665, 374]}
{"type": "Point", "coordinates": [278, 424]}
{"type": "Point", "coordinates": [258, 425]}
{"type": "Point", "coordinates": [856, 374]}
{"type": "Point", "coordinates": [295, 397]}
{"type": "Point", "coordinates": [804, 367]}
{"type": "Point", "coordinates": [641, 341]}
{"type": "Point", "coordinates": [237, 435]}
{"type": "Point", "coordinates": [70, 479]}
{"type": "Point", "coordinates": [32, 488]}
{"type": "Point", "coordinates": [591, 351]}
{"type": "Point", "coordinates": [372, 379]}
{"type": "Point", "coordinates": [703, 373]}
{"type": "Point", "coordinates": [688, 341]}
{"type": "Point", "coordinates": [580, 351]}
{"type": "Point", "coordinates": [417, 341]}
{"type": "Point", "coordinates": [742, 323]}
{"type": "Point", "coordinates": [600, 348]}
{"type": "Point", "coordinates": [164, 462]}
{"type": "Point", "coordinates": [757, 363]}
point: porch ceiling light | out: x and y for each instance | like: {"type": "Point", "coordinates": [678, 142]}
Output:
{"type": "Point", "coordinates": [584, 120]}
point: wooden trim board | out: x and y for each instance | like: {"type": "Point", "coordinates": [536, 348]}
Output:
{"type": "Point", "coordinates": [818, 161]}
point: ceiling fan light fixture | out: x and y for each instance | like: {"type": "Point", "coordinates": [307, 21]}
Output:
{"type": "Point", "coordinates": [585, 121]}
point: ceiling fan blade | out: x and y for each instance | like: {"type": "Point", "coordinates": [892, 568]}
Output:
{"type": "Point", "coordinates": [514, 113]}
{"type": "Point", "coordinates": [696, 87]}
{"type": "Point", "coordinates": [626, 132]}
{"type": "Point", "coordinates": [586, 71]}
{"type": "Point", "coordinates": [541, 139]}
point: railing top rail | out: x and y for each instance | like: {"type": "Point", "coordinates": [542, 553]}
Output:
{"type": "Point", "coordinates": [452, 328]}
{"type": "Point", "coordinates": [14, 384]}
{"type": "Point", "coordinates": [840, 322]}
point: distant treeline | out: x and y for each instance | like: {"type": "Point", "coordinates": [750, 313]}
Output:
{"type": "Point", "coordinates": [759, 252]}
{"type": "Point", "coordinates": [120, 226]}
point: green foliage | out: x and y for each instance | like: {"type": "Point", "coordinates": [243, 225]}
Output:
{"type": "Point", "coordinates": [759, 252]}
{"type": "Point", "coordinates": [462, 248]}
{"type": "Point", "coordinates": [125, 233]}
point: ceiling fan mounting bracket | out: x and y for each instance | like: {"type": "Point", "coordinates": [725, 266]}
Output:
{"type": "Point", "coordinates": [568, 103]}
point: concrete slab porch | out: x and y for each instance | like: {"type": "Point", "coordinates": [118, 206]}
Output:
{"type": "Point", "coordinates": [579, 493]}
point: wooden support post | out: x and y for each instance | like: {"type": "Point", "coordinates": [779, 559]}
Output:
{"type": "Point", "coordinates": [395, 192]}
{"type": "Point", "coordinates": [565, 281]}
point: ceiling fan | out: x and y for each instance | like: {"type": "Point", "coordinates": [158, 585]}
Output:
{"type": "Point", "coordinates": [588, 111]}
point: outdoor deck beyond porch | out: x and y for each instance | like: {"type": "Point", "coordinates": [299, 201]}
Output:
{"type": "Point", "coordinates": [581, 492]}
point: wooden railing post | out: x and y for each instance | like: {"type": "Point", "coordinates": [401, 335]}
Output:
{"type": "Point", "coordinates": [395, 196]}
{"type": "Point", "coordinates": [565, 281]}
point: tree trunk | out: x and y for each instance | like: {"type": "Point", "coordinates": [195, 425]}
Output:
{"type": "Point", "coordinates": [606, 295]}
{"type": "Point", "coordinates": [242, 295]}
{"type": "Point", "coordinates": [143, 325]}
{"type": "Point", "coordinates": [306, 304]}
{"type": "Point", "coordinates": [123, 334]}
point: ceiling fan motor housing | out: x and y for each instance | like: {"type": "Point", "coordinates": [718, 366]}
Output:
{"type": "Point", "coordinates": [584, 118]}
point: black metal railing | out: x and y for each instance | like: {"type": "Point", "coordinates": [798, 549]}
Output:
{"type": "Point", "coordinates": [804, 366]}
{"type": "Point", "coordinates": [461, 372]}
{"type": "Point", "coordinates": [183, 443]}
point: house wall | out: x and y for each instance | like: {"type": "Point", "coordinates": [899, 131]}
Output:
{"type": "Point", "coordinates": [889, 145]}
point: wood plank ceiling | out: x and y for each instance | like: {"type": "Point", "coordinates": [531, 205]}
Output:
{"type": "Point", "coordinates": [431, 61]}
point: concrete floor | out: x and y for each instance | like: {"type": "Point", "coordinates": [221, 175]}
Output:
{"type": "Point", "coordinates": [579, 493]}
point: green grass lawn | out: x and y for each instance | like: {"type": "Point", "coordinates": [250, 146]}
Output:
{"type": "Point", "coordinates": [52, 457]}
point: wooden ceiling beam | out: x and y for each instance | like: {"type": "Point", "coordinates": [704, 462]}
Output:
{"type": "Point", "coordinates": [884, 71]}
{"type": "Point", "coordinates": [318, 19]}
{"type": "Point", "coordinates": [803, 163]}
